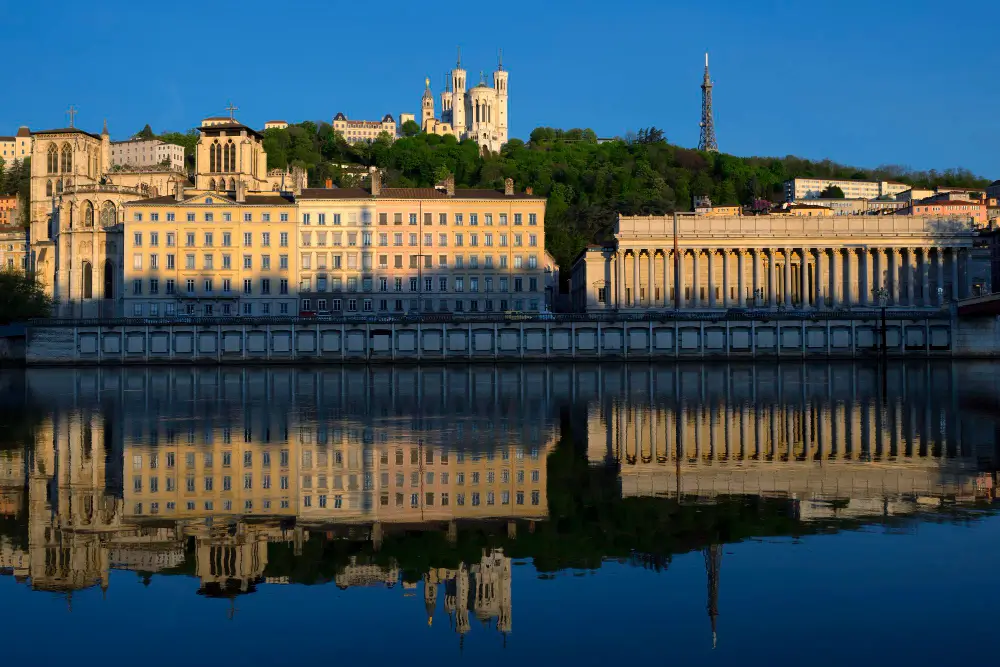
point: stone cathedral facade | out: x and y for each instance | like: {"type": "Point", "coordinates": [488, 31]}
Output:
{"type": "Point", "coordinates": [478, 113]}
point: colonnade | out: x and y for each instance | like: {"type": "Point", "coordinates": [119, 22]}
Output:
{"type": "Point", "coordinates": [790, 277]}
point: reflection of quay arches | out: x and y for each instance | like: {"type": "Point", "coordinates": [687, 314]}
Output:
{"type": "Point", "coordinates": [109, 279]}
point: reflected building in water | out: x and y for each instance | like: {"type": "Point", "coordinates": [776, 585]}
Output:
{"type": "Point", "coordinates": [224, 473]}
{"type": "Point", "coordinates": [838, 440]}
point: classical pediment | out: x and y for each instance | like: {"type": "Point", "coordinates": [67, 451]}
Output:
{"type": "Point", "coordinates": [209, 199]}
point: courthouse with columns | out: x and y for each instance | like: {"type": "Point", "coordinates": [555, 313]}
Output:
{"type": "Point", "coordinates": [777, 262]}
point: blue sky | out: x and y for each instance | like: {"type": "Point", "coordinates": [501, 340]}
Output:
{"type": "Point", "coordinates": [857, 81]}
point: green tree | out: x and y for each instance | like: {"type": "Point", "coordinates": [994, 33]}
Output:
{"type": "Point", "coordinates": [145, 133]}
{"type": "Point", "coordinates": [21, 297]}
{"type": "Point", "coordinates": [831, 192]}
{"type": "Point", "coordinates": [410, 129]}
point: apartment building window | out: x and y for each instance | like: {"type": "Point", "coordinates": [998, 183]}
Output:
{"type": "Point", "coordinates": [602, 295]}
{"type": "Point", "coordinates": [458, 240]}
{"type": "Point", "coordinates": [265, 262]}
{"type": "Point", "coordinates": [458, 219]}
{"type": "Point", "coordinates": [227, 239]}
{"type": "Point", "coordinates": [282, 217]}
{"type": "Point", "coordinates": [227, 261]}
{"type": "Point", "coordinates": [282, 261]}
{"type": "Point", "coordinates": [247, 286]}
{"type": "Point", "coordinates": [398, 285]}
{"type": "Point", "coordinates": [517, 218]}
{"type": "Point", "coordinates": [189, 262]}
{"type": "Point", "coordinates": [442, 285]}
{"type": "Point", "coordinates": [248, 239]}
{"type": "Point", "coordinates": [169, 290]}
{"type": "Point", "coordinates": [382, 219]}
{"type": "Point", "coordinates": [283, 239]}
{"type": "Point", "coordinates": [265, 217]}
{"type": "Point", "coordinates": [208, 239]}
{"type": "Point", "coordinates": [473, 219]}
{"type": "Point", "coordinates": [208, 217]}
{"type": "Point", "coordinates": [503, 219]}
{"type": "Point", "coordinates": [265, 239]}
{"type": "Point", "coordinates": [247, 261]}
{"type": "Point", "coordinates": [170, 217]}
{"type": "Point", "coordinates": [171, 240]}
{"type": "Point", "coordinates": [227, 285]}
{"type": "Point", "coordinates": [533, 240]}
{"type": "Point", "coordinates": [227, 217]}
{"type": "Point", "coordinates": [208, 285]}
{"type": "Point", "coordinates": [154, 286]}
{"type": "Point", "coordinates": [189, 217]}
{"type": "Point", "coordinates": [265, 285]}
{"type": "Point", "coordinates": [532, 218]}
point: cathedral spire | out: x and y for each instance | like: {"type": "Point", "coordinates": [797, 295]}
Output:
{"type": "Point", "coordinates": [104, 131]}
{"type": "Point", "coordinates": [500, 60]}
{"type": "Point", "coordinates": [458, 64]}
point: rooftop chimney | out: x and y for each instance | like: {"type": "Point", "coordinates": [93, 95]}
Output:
{"type": "Point", "coordinates": [529, 190]}
{"type": "Point", "coordinates": [241, 191]}
{"type": "Point", "coordinates": [508, 186]}
{"type": "Point", "coordinates": [178, 191]}
{"type": "Point", "coordinates": [376, 182]}
{"type": "Point", "coordinates": [329, 183]}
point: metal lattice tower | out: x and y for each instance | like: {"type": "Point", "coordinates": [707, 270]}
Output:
{"type": "Point", "coordinates": [707, 142]}
{"type": "Point", "coordinates": [713, 563]}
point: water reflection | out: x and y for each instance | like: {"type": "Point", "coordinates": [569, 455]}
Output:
{"type": "Point", "coordinates": [433, 480]}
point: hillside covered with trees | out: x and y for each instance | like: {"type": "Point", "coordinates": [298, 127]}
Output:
{"type": "Point", "coordinates": [587, 183]}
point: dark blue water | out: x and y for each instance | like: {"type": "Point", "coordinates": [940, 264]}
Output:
{"type": "Point", "coordinates": [820, 514]}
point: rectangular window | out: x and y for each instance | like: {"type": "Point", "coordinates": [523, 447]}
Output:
{"type": "Point", "coordinates": [227, 239]}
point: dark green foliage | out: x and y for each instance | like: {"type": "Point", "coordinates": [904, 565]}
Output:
{"type": "Point", "coordinates": [831, 192]}
{"type": "Point", "coordinates": [21, 297]}
{"type": "Point", "coordinates": [145, 133]}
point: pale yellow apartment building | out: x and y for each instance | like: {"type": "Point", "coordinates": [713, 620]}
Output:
{"type": "Point", "coordinates": [441, 249]}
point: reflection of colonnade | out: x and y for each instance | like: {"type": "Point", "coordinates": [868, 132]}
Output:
{"type": "Point", "coordinates": [821, 431]}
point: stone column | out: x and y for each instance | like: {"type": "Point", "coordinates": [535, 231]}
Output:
{"type": "Point", "coordinates": [695, 279]}
{"type": "Point", "coordinates": [925, 277]}
{"type": "Point", "coordinates": [711, 278]}
{"type": "Point", "coordinates": [651, 278]}
{"type": "Point", "coordinates": [741, 297]}
{"type": "Point", "coordinates": [939, 260]}
{"type": "Point", "coordinates": [835, 281]}
{"type": "Point", "coordinates": [679, 279]}
{"type": "Point", "coordinates": [755, 258]}
{"type": "Point", "coordinates": [667, 282]}
{"type": "Point", "coordinates": [804, 279]}
{"type": "Point", "coordinates": [850, 278]}
{"type": "Point", "coordinates": [619, 278]}
{"type": "Point", "coordinates": [911, 275]}
{"type": "Point", "coordinates": [771, 301]}
{"type": "Point", "coordinates": [788, 276]}
{"type": "Point", "coordinates": [954, 274]}
{"type": "Point", "coordinates": [894, 271]}
{"type": "Point", "coordinates": [821, 285]}
{"type": "Point", "coordinates": [635, 279]}
{"type": "Point", "coordinates": [867, 285]}
{"type": "Point", "coordinates": [725, 278]}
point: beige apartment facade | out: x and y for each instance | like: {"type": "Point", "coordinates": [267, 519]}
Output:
{"type": "Point", "coordinates": [367, 131]}
{"type": "Point", "coordinates": [210, 254]}
{"type": "Point", "coordinates": [776, 262]}
{"type": "Point", "coordinates": [401, 250]}
{"type": "Point", "coordinates": [147, 153]}
{"type": "Point", "coordinates": [17, 147]}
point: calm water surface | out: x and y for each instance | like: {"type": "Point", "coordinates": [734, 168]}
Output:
{"type": "Point", "coordinates": [796, 514]}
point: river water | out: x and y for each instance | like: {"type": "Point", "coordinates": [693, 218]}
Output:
{"type": "Point", "coordinates": [538, 514]}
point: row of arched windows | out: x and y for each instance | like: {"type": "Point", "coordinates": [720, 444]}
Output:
{"type": "Point", "coordinates": [484, 112]}
{"type": "Point", "coordinates": [221, 185]}
{"type": "Point", "coordinates": [55, 187]}
{"type": "Point", "coordinates": [222, 157]}
{"type": "Point", "coordinates": [109, 280]}
{"type": "Point", "coordinates": [59, 160]}
{"type": "Point", "coordinates": [109, 215]}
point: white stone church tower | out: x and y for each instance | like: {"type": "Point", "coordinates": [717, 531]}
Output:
{"type": "Point", "coordinates": [479, 113]}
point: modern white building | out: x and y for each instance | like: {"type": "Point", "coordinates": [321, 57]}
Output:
{"type": "Point", "coordinates": [810, 188]}
{"type": "Point", "coordinates": [146, 153]}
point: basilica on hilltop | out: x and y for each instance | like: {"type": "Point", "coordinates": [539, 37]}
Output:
{"type": "Point", "coordinates": [479, 113]}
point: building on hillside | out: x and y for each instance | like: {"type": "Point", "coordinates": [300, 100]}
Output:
{"type": "Point", "coordinates": [13, 248]}
{"type": "Point", "coordinates": [405, 118]}
{"type": "Point", "coordinates": [803, 210]}
{"type": "Point", "coordinates": [399, 250]}
{"type": "Point", "coordinates": [993, 189]}
{"type": "Point", "coordinates": [810, 188]}
{"type": "Point", "coordinates": [914, 194]}
{"type": "Point", "coordinates": [367, 131]}
{"type": "Point", "coordinates": [479, 113]}
{"type": "Point", "coordinates": [230, 152]}
{"type": "Point", "coordinates": [17, 147]}
{"type": "Point", "coordinates": [855, 206]}
{"type": "Point", "coordinates": [8, 211]}
{"type": "Point", "coordinates": [764, 262]}
{"type": "Point", "coordinates": [147, 153]}
{"type": "Point", "coordinates": [276, 125]}
{"type": "Point", "coordinates": [948, 208]}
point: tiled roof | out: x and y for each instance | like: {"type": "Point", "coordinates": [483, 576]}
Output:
{"type": "Point", "coordinates": [335, 193]}
{"type": "Point", "coordinates": [227, 126]}
{"type": "Point", "coordinates": [7, 138]}
{"type": "Point", "coordinates": [67, 130]}
{"type": "Point", "coordinates": [252, 200]}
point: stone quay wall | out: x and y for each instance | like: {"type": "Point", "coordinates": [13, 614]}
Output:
{"type": "Point", "coordinates": [298, 341]}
